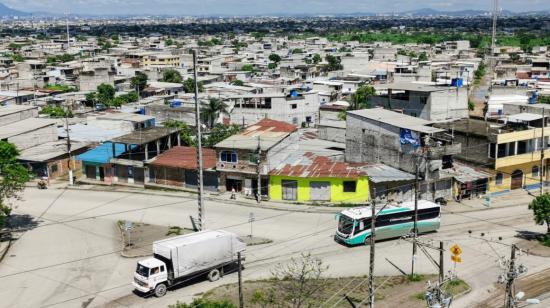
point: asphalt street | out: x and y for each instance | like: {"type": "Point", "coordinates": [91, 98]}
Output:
{"type": "Point", "coordinates": [71, 258]}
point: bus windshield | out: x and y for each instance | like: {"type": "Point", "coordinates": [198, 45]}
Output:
{"type": "Point", "coordinates": [345, 224]}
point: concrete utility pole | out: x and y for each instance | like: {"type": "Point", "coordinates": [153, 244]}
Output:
{"type": "Point", "coordinates": [542, 148]}
{"type": "Point", "coordinates": [201, 224]}
{"type": "Point", "coordinates": [69, 164]}
{"type": "Point", "coordinates": [258, 170]}
{"type": "Point", "coordinates": [68, 40]}
{"type": "Point", "coordinates": [511, 275]}
{"type": "Point", "coordinates": [415, 217]}
{"type": "Point", "coordinates": [372, 248]}
{"type": "Point", "coordinates": [241, 301]}
{"type": "Point", "coordinates": [494, 32]}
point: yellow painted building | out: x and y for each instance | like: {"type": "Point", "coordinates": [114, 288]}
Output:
{"type": "Point", "coordinates": [161, 60]}
{"type": "Point", "coordinates": [517, 156]}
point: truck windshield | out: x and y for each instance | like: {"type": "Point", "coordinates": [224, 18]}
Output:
{"type": "Point", "coordinates": [345, 224]}
{"type": "Point", "coordinates": [142, 270]}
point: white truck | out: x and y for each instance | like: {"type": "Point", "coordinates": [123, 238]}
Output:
{"type": "Point", "coordinates": [182, 258]}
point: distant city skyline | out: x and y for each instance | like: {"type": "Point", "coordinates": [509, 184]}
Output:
{"type": "Point", "coordinates": [261, 7]}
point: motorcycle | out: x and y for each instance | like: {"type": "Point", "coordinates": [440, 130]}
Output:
{"type": "Point", "coordinates": [42, 184]}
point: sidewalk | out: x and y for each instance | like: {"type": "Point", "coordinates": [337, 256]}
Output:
{"type": "Point", "coordinates": [518, 197]}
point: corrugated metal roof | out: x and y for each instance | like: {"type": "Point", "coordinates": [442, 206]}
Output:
{"type": "Point", "coordinates": [464, 174]}
{"type": "Point", "coordinates": [397, 119]}
{"type": "Point", "coordinates": [310, 165]}
{"type": "Point", "coordinates": [102, 154]}
{"type": "Point", "coordinates": [185, 158]}
{"type": "Point", "coordinates": [380, 173]}
{"type": "Point", "coordinates": [266, 132]}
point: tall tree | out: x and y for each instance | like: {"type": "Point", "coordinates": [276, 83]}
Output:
{"type": "Point", "coordinates": [189, 86]}
{"type": "Point", "coordinates": [213, 109]}
{"type": "Point", "coordinates": [275, 58]}
{"type": "Point", "coordinates": [316, 58]}
{"type": "Point", "coordinates": [139, 81]}
{"type": "Point", "coordinates": [13, 177]}
{"type": "Point", "coordinates": [541, 210]}
{"type": "Point", "coordinates": [105, 93]}
{"type": "Point", "coordinates": [186, 134]}
{"type": "Point", "coordinates": [171, 75]}
{"type": "Point", "coordinates": [360, 98]}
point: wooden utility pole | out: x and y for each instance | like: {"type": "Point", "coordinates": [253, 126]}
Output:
{"type": "Point", "coordinates": [259, 171]}
{"type": "Point", "coordinates": [241, 301]}
{"type": "Point", "coordinates": [372, 248]}
{"type": "Point", "coordinates": [542, 148]}
{"type": "Point", "coordinates": [201, 224]}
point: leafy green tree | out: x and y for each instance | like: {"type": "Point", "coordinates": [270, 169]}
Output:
{"type": "Point", "coordinates": [248, 68]}
{"type": "Point", "coordinates": [204, 303]}
{"type": "Point", "coordinates": [334, 63]}
{"type": "Point", "coordinates": [219, 133]}
{"type": "Point", "coordinates": [297, 51]}
{"type": "Point", "coordinates": [189, 86]}
{"type": "Point", "coordinates": [360, 98]}
{"type": "Point", "coordinates": [543, 99]}
{"type": "Point", "coordinates": [275, 58]}
{"type": "Point", "coordinates": [169, 42]}
{"type": "Point", "coordinates": [14, 46]}
{"type": "Point", "coordinates": [171, 75]}
{"type": "Point", "coordinates": [13, 176]}
{"type": "Point", "coordinates": [17, 57]}
{"type": "Point", "coordinates": [105, 93]}
{"type": "Point", "coordinates": [316, 58]}
{"type": "Point", "coordinates": [272, 66]}
{"type": "Point", "coordinates": [139, 81]}
{"type": "Point", "coordinates": [186, 134]}
{"type": "Point", "coordinates": [237, 82]}
{"type": "Point", "coordinates": [423, 56]}
{"type": "Point", "coordinates": [56, 111]}
{"type": "Point", "coordinates": [90, 97]}
{"type": "Point", "coordinates": [471, 105]}
{"type": "Point", "coordinates": [213, 109]}
{"type": "Point", "coordinates": [541, 210]}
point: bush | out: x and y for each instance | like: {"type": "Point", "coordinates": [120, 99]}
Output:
{"type": "Point", "coordinates": [204, 303]}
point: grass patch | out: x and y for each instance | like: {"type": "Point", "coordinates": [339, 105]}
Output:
{"type": "Point", "coordinates": [174, 230]}
{"type": "Point", "coordinates": [419, 296]}
{"type": "Point", "coordinates": [544, 240]}
{"type": "Point", "coordinates": [415, 277]}
{"type": "Point", "coordinates": [456, 286]}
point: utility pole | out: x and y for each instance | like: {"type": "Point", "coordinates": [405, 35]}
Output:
{"type": "Point", "coordinates": [441, 272]}
{"type": "Point", "coordinates": [415, 217]}
{"type": "Point", "coordinates": [511, 275]}
{"type": "Point", "coordinates": [542, 148]}
{"type": "Point", "coordinates": [258, 170]}
{"type": "Point", "coordinates": [372, 248]}
{"type": "Point", "coordinates": [201, 223]}
{"type": "Point", "coordinates": [69, 164]}
{"type": "Point", "coordinates": [68, 40]}
{"type": "Point", "coordinates": [241, 301]}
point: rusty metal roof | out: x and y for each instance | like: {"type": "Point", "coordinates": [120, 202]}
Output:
{"type": "Point", "coordinates": [310, 165]}
{"type": "Point", "coordinates": [185, 158]}
{"type": "Point", "coordinates": [266, 132]}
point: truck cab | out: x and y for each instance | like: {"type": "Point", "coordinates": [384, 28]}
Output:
{"type": "Point", "coordinates": [151, 275]}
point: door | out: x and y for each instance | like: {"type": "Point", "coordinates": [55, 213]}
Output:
{"type": "Point", "coordinates": [139, 175]}
{"type": "Point", "coordinates": [319, 191]}
{"type": "Point", "coordinates": [101, 173]}
{"type": "Point", "coordinates": [290, 190]}
{"type": "Point", "coordinates": [517, 179]}
{"type": "Point", "coordinates": [90, 172]}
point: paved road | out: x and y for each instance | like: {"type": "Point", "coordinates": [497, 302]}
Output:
{"type": "Point", "coordinates": [71, 259]}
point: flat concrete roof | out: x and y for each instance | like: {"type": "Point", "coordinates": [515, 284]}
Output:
{"type": "Point", "coordinates": [10, 109]}
{"type": "Point", "coordinates": [397, 119]}
{"type": "Point", "coordinates": [24, 126]}
{"type": "Point", "coordinates": [409, 86]}
{"type": "Point", "coordinates": [122, 116]}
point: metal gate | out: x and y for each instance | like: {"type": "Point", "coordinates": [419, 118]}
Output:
{"type": "Point", "coordinates": [319, 191]}
{"type": "Point", "coordinates": [290, 190]}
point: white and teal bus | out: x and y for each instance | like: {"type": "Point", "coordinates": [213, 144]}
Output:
{"type": "Point", "coordinates": [392, 222]}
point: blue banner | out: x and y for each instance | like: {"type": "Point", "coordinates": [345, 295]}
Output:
{"type": "Point", "coordinates": [409, 137]}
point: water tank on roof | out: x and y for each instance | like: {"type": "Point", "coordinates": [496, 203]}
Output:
{"type": "Point", "coordinates": [457, 82]}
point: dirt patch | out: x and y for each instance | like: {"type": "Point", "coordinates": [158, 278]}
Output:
{"type": "Point", "coordinates": [137, 238]}
{"type": "Point", "coordinates": [533, 285]}
{"type": "Point", "coordinates": [532, 242]}
{"type": "Point", "coordinates": [395, 291]}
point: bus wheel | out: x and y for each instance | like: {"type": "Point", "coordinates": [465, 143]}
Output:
{"type": "Point", "coordinates": [160, 290]}
{"type": "Point", "coordinates": [214, 275]}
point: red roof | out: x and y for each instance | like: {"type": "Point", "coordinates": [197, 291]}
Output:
{"type": "Point", "coordinates": [272, 126]}
{"type": "Point", "coordinates": [185, 158]}
{"type": "Point", "coordinates": [310, 165]}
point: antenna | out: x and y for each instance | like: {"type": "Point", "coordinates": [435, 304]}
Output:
{"type": "Point", "coordinates": [494, 34]}
{"type": "Point", "coordinates": [68, 38]}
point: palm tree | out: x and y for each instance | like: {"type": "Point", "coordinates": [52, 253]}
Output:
{"type": "Point", "coordinates": [212, 110]}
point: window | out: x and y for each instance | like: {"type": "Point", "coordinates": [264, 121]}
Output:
{"type": "Point", "coordinates": [162, 268]}
{"type": "Point", "coordinates": [535, 171]}
{"type": "Point", "coordinates": [228, 156]}
{"type": "Point", "coordinates": [54, 168]}
{"type": "Point", "coordinates": [294, 106]}
{"type": "Point", "coordinates": [498, 178]}
{"type": "Point", "coordinates": [350, 186]}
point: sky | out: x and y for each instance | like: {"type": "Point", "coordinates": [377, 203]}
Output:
{"type": "Point", "coordinates": [265, 7]}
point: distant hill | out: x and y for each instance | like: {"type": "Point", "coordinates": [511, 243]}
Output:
{"type": "Point", "coordinates": [464, 13]}
{"type": "Point", "coordinates": [6, 11]}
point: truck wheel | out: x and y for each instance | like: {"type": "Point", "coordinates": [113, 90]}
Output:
{"type": "Point", "coordinates": [214, 275]}
{"type": "Point", "coordinates": [160, 290]}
